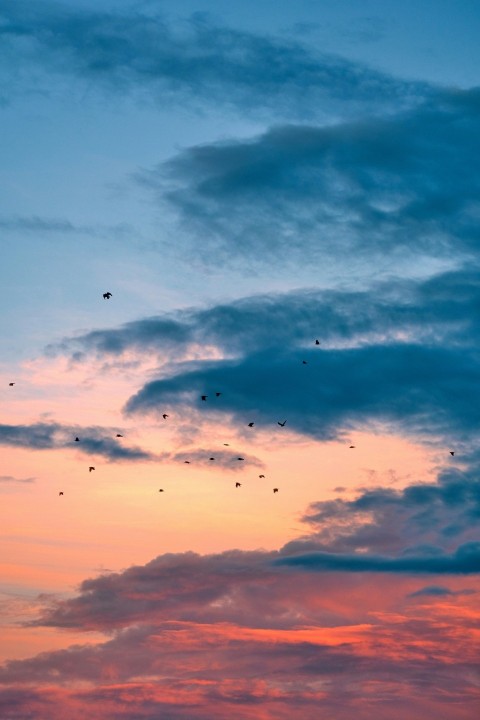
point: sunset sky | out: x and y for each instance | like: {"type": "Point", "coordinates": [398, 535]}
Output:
{"type": "Point", "coordinates": [283, 199]}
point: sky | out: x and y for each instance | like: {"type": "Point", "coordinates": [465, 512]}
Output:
{"type": "Point", "coordinates": [246, 484]}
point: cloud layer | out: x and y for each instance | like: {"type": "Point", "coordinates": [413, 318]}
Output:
{"type": "Point", "coordinates": [194, 61]}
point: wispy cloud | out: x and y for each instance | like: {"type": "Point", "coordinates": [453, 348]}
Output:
{"type": "Point", "coordinates": [349, 192]}
{"type": "Point", "coordinates": [195, 61]}
{"type": "Point", "coordinates": [50, 436]}
{"type": "Point", "coordinates": [9, 479]}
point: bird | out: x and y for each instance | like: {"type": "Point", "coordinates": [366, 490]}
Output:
{"type": "Point", "coordinates": [275, 490]}
{"type": "Point", "coordinates": [204, 397]}
{"type": "Point", "coordinates": [11, 384]}
{"type": "Point", "coordinates": [251, 424]}
{"type": "Point", "coordinates": [227, 444]}
{"type": "Point", "coordinates": [91, 468]}
{"type": "Point", "coordinates": [212, 458]}
{"type": "Point", "coordinates": [60, 493]}
{"type": "Point", "coordinates": [187, 462]}
{"type": "Point", "coordinates": [161, 490]}
{"type": "Point", "coordinates": [304, 362]}
{"type": "Point", "coordinates": [240, 458]}
{"type": "Point", "coordinates": [317, 342]}
{"type": "Point", "coordinates": [107, 295]}
{"type": "Point", "coordinates": [77, 439]}
{"type": "Point", "coordinates": [352, 447]}
{"type": "Point", "coordinates": [281, 424]}
{"type": "Point", "coordinates": [118, 435]}
{"type": "Point", "coordinates": [164, 416]}
{"type": "Point", "coordinates": [237, 484]}
{"type": "Point", "coordinates": [260, 476]}
{"type": "Point", "coordinates": [452, 452]}
{"type": "Point", "coordinates": [217, 394]}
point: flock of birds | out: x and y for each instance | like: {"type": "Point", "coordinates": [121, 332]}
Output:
{"type": "Point", "coordinates": [91, 468]}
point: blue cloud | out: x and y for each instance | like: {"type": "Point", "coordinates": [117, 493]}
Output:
{"type": "Point", "coordinates": [196, 60]}
{"type": "Point", "coordinates": [464, 561]}
{"type": "Point", "coordinates": [51, 436]}
{"type": "Point", "coordinates": [403, 184]}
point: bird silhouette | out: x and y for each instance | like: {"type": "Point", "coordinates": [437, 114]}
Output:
{"type": "Point", "coordinates": [275, 490]}
{"type": "Point", "coordinates": [352, 447]}
{"type": "Point", "coordinates": [260, 476]}
{"type": "Point", "coordinates": [161, 490]}
{"type": "Point", "coordinates": [164, 416]}
{"type": "Point", "coordinates": [91, 468]}
{"type": "Point", "coordinates": [304, 362]}
{"type": "Point", "coordinates": [281, 424]}
{"type": "Point", "coordinates": [226, 444]}
{"type": "Point", "coordinates": [60, 493]}
{"type": "Point", "coordinates": [11, 384]}
{"type": "Point", "coordinates": [212, 458]}
{"type": "Point", "coordinates": [251, 424]}
{"type": "Point", "coordinates": [240, 458]}
{"type": "Point", "coordinates": [77, 439]}
{"type": "Point", "coordinates": [237, 484]}
{"type": "Point", "coordinates": [452, 452]}
{"type": "Point", "coordinates": [118, 435]}
{"type": "Point", "coordinates": [187, 462]}
{"type": "Point", "coordinates": [107, 295]}
{"type": "Point", "coordinates": [217, 394]}
{"type": "Point", "coordinates": [204, 397]}
{"type": "Point", "coordinates": [317, 342]}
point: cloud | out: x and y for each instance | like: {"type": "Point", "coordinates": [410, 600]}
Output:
{"type": "Point", "coordinates": [233, 634]}
{"type": "Point", "coordinates": [194, 61]}
{"type": "Point", "coordinates": [340, 194]}
{"type": "Point", "coordinates": [439, 591]}
{"type": "Point", "coordinates": [401, 354]}
{"type": "Point", "coordinates": [9, 479]}
{"type": "Point", "coordinates": [439, 310]}
{"type": "Point", "coordinates": [52, 436]}
{"type": "Point", "coordinates": [465, 561]}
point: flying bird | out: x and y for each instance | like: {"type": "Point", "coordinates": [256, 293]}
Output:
{"type": "Point", "coordinates": [187, 461]}
{"type": "Point", "coordinates": [161, 490]}
{"type": "Point", "coordinates": [251, 424]}
{"type": "Point", "coordinates": [452, 452]}
{"type": "Point", "coordinates": [226, 444]}
{"type": "Point", "coordinates": [77, 439]}
{"type": "Point", "coordinates": [118, 435]}
{"type": "Point", "coordinates": [281, 424]}
{"type": "Point", "coordinates": [91, 468]}
{"type": "Point", "coordinates": [107, 295]}
{"type": "Point", "coordinates": [317, 342]}
{"type": "Point", "coordinates": [212, 458]}
{"type": "Point", "coordinates": [260, 476]}
{"type": "Point", "coordinates": [237, 484]}
{"type": "Point", "coordinates": [217, 394]}
{"type": "Point", "coordinates": [275, 490]}
{"type": "Point", "coordinates": [204, 397]}
{"type": "Point", "coordinates": [11, 384]}
{"type": "Point", "coordinates": [60, 493]}
{"type": "Point", "coordinates": [304, 362]}
{"type": "Point", "coordinates": [352, 447]}
{"type": "Point", "coordinates": [240, 458]}
{"type": "Point", "coordinates": [164, 416]}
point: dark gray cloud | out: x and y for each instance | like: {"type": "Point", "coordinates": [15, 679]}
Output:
{"type": "Point", "coordinates": [431, 391]}
{"type": "Point", "coordinates": [432, 515]}
{"type": "Point", "coordinates": [439, 591]}
{"type": "Point", "coordinates": [403, 186]}
{"type": "Point", "coordinates": [129, 50]}
{"type": "Point", "coordinates": [53, 436]}
{"type": "Point", "coordinates": [402, 352]}
{"type": "Point", "coordinates": [441, 310]}
{"type": "Point", "coordinates": [465, 561]}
